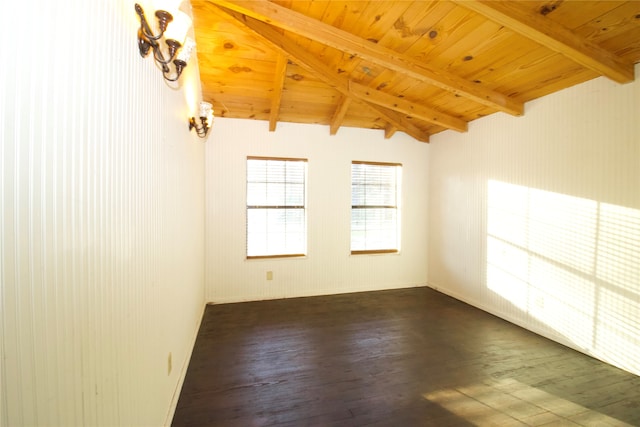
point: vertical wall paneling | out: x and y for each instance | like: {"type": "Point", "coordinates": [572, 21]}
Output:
{"type": "Point", "coordinates": [5, 260]}
{"type": "Point", "coordinates": [537, 218]}
{"type": "Point", "coordinates": [101, 221]}
{"type": "Point", "coordinates": [328, 267]}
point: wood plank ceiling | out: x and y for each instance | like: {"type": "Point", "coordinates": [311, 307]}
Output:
{"type": "Point", "coordinates": [418, 67]}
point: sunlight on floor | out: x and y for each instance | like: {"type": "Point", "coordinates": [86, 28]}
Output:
{"type": "Point", "coordinates": [505, 402]}
{"type": "Point", "coordinates": [570, 263]}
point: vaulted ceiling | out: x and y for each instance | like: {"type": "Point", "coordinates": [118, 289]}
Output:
{"type": "Point", "coordinates": [418, 67]}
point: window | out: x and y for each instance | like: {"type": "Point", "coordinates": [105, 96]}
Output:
{"type": "Point", "coordinates": [375, 191]}
{"type": "Point", "coordinates": [276, 217]}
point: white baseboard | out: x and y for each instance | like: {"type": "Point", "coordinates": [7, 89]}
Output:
{"type": "Point", "coordinates": [321, 292]}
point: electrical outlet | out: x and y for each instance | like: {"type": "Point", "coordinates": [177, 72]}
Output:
{"type": "Point", "coordinates": [169, 364]}
{"type": "Point", "coordinates": [269, 275]}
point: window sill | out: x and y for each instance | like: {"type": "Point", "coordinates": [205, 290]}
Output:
{"type": "Point", "coordinates": [276, 256]}
{"type": "Point", "coordinates": [376, 252]}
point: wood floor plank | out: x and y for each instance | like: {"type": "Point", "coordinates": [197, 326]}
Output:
{"type": "Point", "coordinates": [409, 357]}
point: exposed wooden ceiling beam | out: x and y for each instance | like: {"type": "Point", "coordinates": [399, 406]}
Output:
{"type": "Point", "coordinates": [303, 58]}
{"type": "Point", "coordinates": [276, 96]}
{"type": "Point", "coordinates": [403, 106]}
{"type": "Point", "coordinates": [389, 131]}
{"type": "Point", "coordinates": [290, 20]}
{"type": "Point", "coordinates": [338, 115]}
{"type": "Point", "coordinates": [554, 36]}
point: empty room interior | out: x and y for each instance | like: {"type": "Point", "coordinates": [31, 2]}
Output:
{"type": "Point", "coordinates": [320, 213]}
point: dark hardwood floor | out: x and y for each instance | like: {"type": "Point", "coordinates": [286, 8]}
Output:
{"type": "Point", "coordinates": [411, 357]}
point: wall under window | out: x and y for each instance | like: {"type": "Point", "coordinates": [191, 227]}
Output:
{"type": "Point", "coordinates": [329, 267]}
{"type": "Point", "coordinates": [537, 218]}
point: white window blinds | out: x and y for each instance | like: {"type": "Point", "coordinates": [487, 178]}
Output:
{"type": "Point", "coordinates": [276, 217]}
{"type": "Point", "coordinates": [375, 193]}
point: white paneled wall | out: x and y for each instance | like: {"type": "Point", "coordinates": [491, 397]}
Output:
{"type": "Point", "coordinates": [101, 220]}
{"type": "Point", "coordinates": [329, 268]}
{"type": "Point", "coordinates": [537, 218]}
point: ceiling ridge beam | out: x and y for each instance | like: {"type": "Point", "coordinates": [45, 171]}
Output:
{"type": "Point", "coordinates": [553, 36]}
{"type": "Point", "coordinates": [302, 57]}
{"type": "Point", "coordinates": [278, 85]}
{"type": "Point", "coordinates": [313, 29]}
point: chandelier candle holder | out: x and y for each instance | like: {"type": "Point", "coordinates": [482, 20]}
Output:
{"type": "Point", "coordinates": [205, 118]}
{"type": "Point", "coordinates": [173, 27]}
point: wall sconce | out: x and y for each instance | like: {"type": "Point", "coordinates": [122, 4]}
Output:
{"type": "Point", "coordinates": [206, 120]}
{"type": "Point", "coordinates": [179, 50]}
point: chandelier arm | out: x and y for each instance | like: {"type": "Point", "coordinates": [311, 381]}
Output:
{"type": "Point", "coordinates": [201, 129]}
{"type": "Point", "coordinates": [143, 44]}
{"type": "Point", "coordinates": [179, 67]}
{"type": "Point", "coordinates": [147, 40]}
{"type": "Point", "coordinates": [145, 29]}
{"type": "Point", "coordinates": [159, 56]}
{"type": "Point", "coordinates": [170, 79]}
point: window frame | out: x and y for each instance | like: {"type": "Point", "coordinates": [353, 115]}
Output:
{"type": "Point", "coordinates": [398, 196]}
{"type": "Point", "coordinates": [303, 207]}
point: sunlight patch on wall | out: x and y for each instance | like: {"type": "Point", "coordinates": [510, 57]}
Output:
{"type": "Point", "coordinates": [570, 263]}
{"type": "Point", "coordinates": [616, 328]}
{"type": "Point", "coordinates": [619, 247]}
{"type": "Point", "coordinates": [562, 299]}
{"type": "Point", "coordinates": [562, 228]}
{"type": "Point", "coordinates": [507, 271]}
